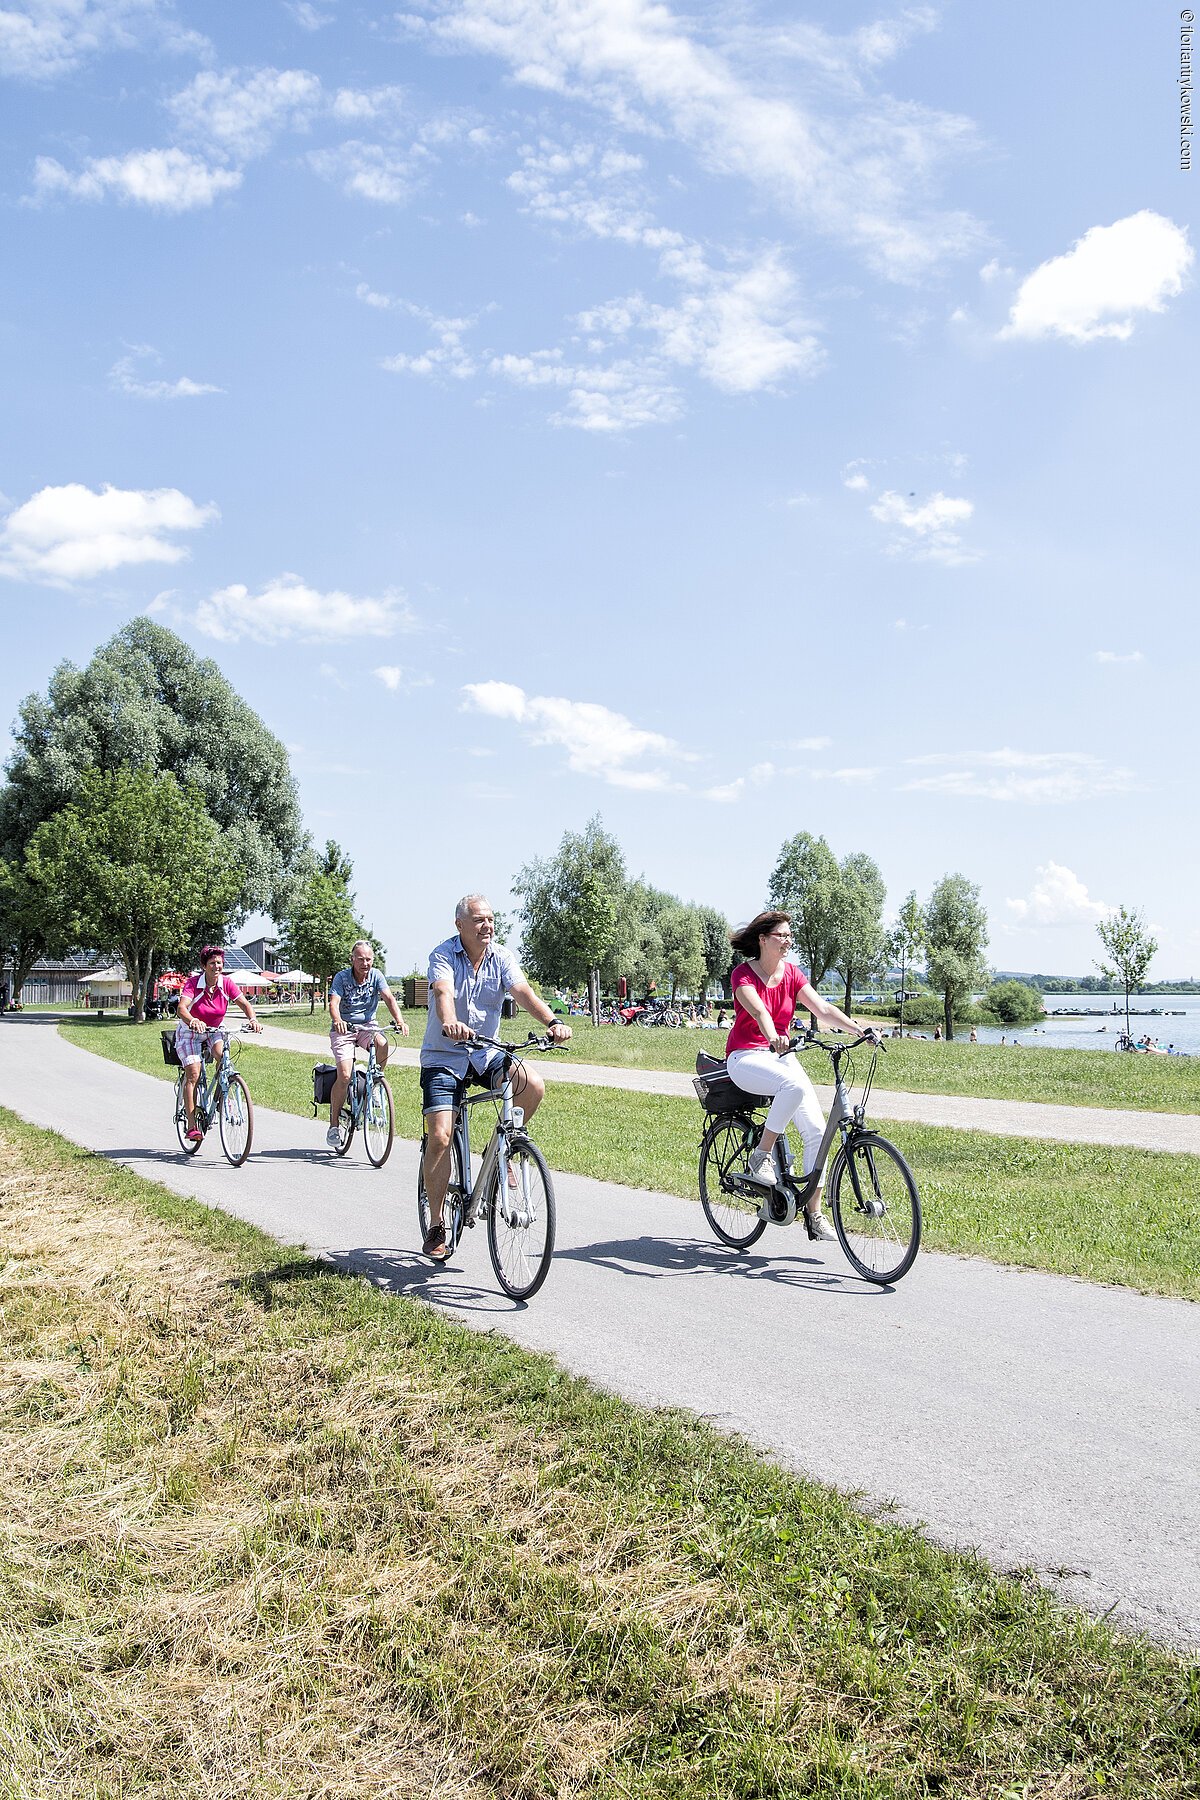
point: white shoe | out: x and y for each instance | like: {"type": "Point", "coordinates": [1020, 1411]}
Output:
{"type": "Point", "coordinates": [760, 1168]}
{"type": "Point", "coordinates": [333, 1137]}
{"type": "Point", "coordinates": [820, 1231]}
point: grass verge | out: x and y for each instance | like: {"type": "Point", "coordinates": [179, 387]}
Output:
{"type": "Point", "coordinates": [1115, 1214]}
{"type": "Point", "coordinates": [264, 1529]}
{"type": "Point", "coordinates": [982, 1071]}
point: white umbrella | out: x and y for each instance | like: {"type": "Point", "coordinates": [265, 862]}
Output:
{"type": "Point", "coordinates": [296, 976]}
{"type": "Point", "coordinates": [250, 978]}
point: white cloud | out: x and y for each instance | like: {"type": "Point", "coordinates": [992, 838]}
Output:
{"type": "Point", "coordinates": [240, 115]}
{"type": "Point", "coordinates": [125, 377]}
{"type": "Point", "coordinates": [853, 478]}
{"type": "Point", "coordinates": [808, 743]}
{"type": "Point", "coordinates": [1111, 273]}
{"type": "Point", "coordinates": [848, 777]}
{"type": "Point", "coordinates": [384, 173]}
{"type": "Point", "coordinates": [1117, 656]}
{"type": "Point", "coordinates": [448, 355]}
{"type": "Point", "coordinates": [1036, 777]}
{"type": "Point", "coordinates": [306, 15]}
{"type": "Point", "coordinates": [43, 39]}
{"type": "Point", "coordinates": [288, 608]}
{"type": "Point", "coordinates": [930, 525]}
{"type": "Point", "coordinates": [357, 104]}
{"type": "Point", "coordinates": [168, 180]}
{"type": "Point", "coordinates": [598, 742]}
{"type": "Point", "coordinates": [1058, 898]}
{"type": "Point", "coordinates": [726, 794]}
{"type": "Point", "coordinates": [391, 675]}
{"type": "Point", "coordinates": [886, 38]}
{"type": "Point", "coordinates": [648, 68]}
{"type": "Point", "coordinates": [66, 534]}
{"type": "Point", "coordinates": [618, 397]}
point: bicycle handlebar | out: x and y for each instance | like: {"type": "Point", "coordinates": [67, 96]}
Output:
{"type": "Point", "coordinates": [804, 1039]}
{"type": "Point", "coordinates": [532, 1042]}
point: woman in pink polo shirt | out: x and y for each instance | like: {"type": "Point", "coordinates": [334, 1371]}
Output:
{"type": "Point", "coordinates": [767, 987]}
{"type": "Point", "coordinates": [203, 1002]}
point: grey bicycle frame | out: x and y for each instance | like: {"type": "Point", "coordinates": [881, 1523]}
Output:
{"type": "Point", "coordinates": [800, 1193]}
{"type": "Point", "coordinates": [370, 1068]}
{"type": "Point", "coordinates": [495, 1156]}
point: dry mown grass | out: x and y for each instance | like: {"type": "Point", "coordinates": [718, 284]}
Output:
{"type": "Point", "coordinates": [262, 1529]}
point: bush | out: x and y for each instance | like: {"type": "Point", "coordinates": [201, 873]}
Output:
{"type": "Point", "coordinates": [1014, 1003]}
{"type": "Point", "coordinates": [926, 1012]}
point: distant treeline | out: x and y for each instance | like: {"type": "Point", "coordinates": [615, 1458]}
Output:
{"type": "Point", "coordinates": [1094, 984]}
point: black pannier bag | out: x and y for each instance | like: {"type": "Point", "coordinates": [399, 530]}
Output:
{"type": "Point", "coordinates": [324, 1076]}
{"type": "Point", "coordinates": [716, 1092]}
{"type": "Point", "coordinates": [170, 1054]}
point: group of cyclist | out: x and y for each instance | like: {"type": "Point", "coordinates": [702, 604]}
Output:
{"type": "Point", "coordinates": [470, 977]}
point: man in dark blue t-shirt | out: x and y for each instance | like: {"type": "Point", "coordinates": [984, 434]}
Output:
{"type": "Point", "coordinates": [354, 994]}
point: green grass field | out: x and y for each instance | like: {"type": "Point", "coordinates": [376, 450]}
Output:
{"type": "Point", "coordinates": [1113, 1215]}
{"type": "Point", "coordinates": [985, 1071]}
{"type": "Point", "coordinates": [267, 1531]}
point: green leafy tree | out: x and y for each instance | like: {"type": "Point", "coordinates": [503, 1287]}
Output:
{"type": "Point", "coordinates": [807, 883]}
{"type": "Point", "coordinates": [570, 908]}
{"type": "Point", "coordinates": [637, 947]}
{"type": "Point", "coordinates": [147, 701]}
{"type": "Point", "coordinates": [320, 929]}
{"type": "Point", "coordinates": [956, 938]}
{"type": "Point", "coordinates": [718, 954]}
{"type": "Point", "coordinates": [24, 921]}
{"type": "Point", "coordinates": [905, 944]}
{"type": "Point", "coordinates": [1129, 952]}
{"type": "Point", "coordinates": [860, 921]}
{"type": "Point", "coordinates": [129, 867]}
{"type": "Point", "coordinates": [683, 948]}
{"type": "Point", "coordinates": [1014, 1003]}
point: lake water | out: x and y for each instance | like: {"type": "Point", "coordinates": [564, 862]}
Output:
{"type": "Point", "coordinates": [1085, 1034]}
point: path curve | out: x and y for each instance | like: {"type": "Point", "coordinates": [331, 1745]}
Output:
{"type": "Point", "coordinates": [1053, 1424]}
{"type": "Point", "coordinates": [1177, 1132]}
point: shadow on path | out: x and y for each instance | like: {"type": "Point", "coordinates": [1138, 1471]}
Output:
{"type": "Point", "coordinates": [651, 1258]}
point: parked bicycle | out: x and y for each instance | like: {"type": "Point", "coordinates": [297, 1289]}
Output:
{"type": "Point", "coordinates": [872, 1195]}
{"type": "Point", "coordinates": [513, 1187]}
{"type": "Point", "coordinates": [368, 1105]}
{"type": "Point", "coordinates": [224, 1096]}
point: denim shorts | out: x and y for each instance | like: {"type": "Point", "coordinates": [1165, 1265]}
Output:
{"type": "Point", "coordinates": [442, 1090]}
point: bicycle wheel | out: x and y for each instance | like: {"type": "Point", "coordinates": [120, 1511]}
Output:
{"type": "Point", "coordinates": [237, 1121]}
{"type": "Point", "coordinates": [875, 1208]}
{"type": "Point", "coordinates": [452, 1206]}
{"type": "Point", "coordinates": [346, 1120]}
{"type": "Point", "coordinates": [733, 1216]}
{"type": "Point", "coordinates": [181, 1126]}
{"type": "Point", "coordinates": [378, 1123]}
{"type": "Point", "coordinates": [521, 1224]}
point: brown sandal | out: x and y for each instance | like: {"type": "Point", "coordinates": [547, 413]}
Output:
{"type": "Point", "coordinates": [435, 1244]}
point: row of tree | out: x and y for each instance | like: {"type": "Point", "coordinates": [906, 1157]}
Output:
{"type": "Point", "coordinates": [148, 810]}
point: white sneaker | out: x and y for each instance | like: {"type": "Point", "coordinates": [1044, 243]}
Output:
{"type": "Point", "coordinates": [333, 1137]}
{"type": "Point", "coordinates": [760, 1168]}
{"type": "Point", "coordinates": [820, 1231]}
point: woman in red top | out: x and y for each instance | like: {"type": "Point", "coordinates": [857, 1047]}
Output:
{"type": "Point", "coordinates": [766, 990]}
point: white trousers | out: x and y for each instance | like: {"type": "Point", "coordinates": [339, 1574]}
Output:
{"type": "Point", "coordinates": [793, 1094]}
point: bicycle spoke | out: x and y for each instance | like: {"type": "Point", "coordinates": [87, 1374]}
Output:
{"type": "Point", "coordinates": [876, 1209]}
{"type": "Point", "coordinates": [521, 1222]}
{"type": "Point", "coordinates": [733, 1216]}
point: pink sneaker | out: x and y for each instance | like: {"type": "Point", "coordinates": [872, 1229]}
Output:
{"type": "Point", "coordinates": [195, 1135]}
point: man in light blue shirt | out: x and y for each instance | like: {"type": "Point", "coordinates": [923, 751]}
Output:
{"type": "Point", "coordinates": [354, 995]}
{"type": "Point", "coordinates": [469, 976]}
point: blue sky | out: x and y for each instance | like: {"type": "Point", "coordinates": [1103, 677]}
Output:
{"type": "Point", "coordinates": [735, 422]}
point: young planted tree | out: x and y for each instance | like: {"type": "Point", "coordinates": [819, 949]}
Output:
{"type": "Point", "coordinates": [570, 905]}
{"type": "Point", "coordinates": [905, 944]}
{"type": "Point", "coordinates": [320, 929]}
{"type": "Point", "coordinates": [1130, 951]}
{"type": "Point", "coordinates": [129, 867]}
{"type": "Point", "coordinates": [860, 922]}
{"type": "Point", "coordinates": [807, 883]}
{"type": "Point", "coordinates": [718, 954]}
{"type": "Point", "coordinates": [683, 948]}
{"type": "Point", "coordinates": [956, 938]}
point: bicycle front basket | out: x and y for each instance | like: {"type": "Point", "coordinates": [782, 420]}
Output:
{"type": "Point", "coordinates": [170, 1054]}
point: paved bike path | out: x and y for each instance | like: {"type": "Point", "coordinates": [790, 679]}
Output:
{"type": "Point", "coordinates": [1052, 1424]}
{"type": "Point", "coordinates": [963, 1112]}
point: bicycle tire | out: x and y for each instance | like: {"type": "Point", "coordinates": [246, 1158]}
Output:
{"type": "Point", "coordinates": [880, 1245]}
{"type": "Point", "coordinates": [522, 1246]}
{"type": "Point", "coordinates": [345, 1125]}
{"type": "Point", "coordinates": [237, 1121]}
{"type": "Point", "coordinates": [379, 1123]}
{"type": "Point", "coordinates": [452, 1206]}
{"type": "Point", "coordinates": [181, 1126]}
{"type": "Point", "coordinates": [734, 1220]}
